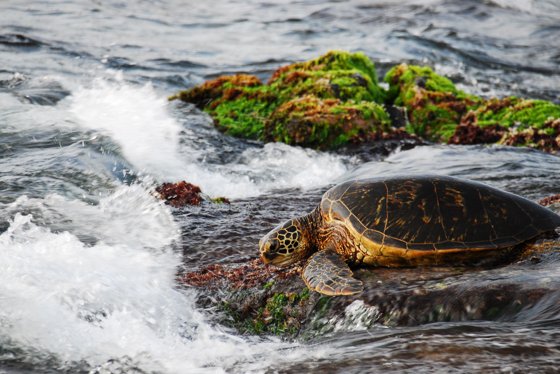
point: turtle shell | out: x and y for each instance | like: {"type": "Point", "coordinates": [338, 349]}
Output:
{"type": "Point", "coordinates": [436, 212]}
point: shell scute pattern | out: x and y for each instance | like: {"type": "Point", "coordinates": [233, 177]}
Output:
{"type": "Point", "coordinates": [435, 213]}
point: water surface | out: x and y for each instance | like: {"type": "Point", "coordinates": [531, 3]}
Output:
{"type": "Point", "coordinates": [88, 257]}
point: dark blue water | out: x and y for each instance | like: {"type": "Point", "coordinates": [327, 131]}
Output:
{"type": "Point", "coordinates": [88, 256]}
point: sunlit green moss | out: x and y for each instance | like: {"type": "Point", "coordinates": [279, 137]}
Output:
{"type": "Point", "coordinates": [403, 80]}
{"type": "Point", "coordinates": [521, 112]}
{"type": "Point", "coordinates": [242, 117]}
{"type": "Point", "coordinates": [335, 99]}
{"type": "Point", "coordinates": [433, 102]}
{"type": "Point", "coordinates": [243, 106]}
{"type": "Point", "coordinates": [323, 124]}
{"type": "Point", "coordinates": [446, 131]}
{"type": "Point", "coordinates": [337, 74]}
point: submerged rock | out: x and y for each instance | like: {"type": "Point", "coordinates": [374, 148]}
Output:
{"type": "Point", "coordinates": [252, 297]}
{"type": "Point", "coordinates": [336, 100]}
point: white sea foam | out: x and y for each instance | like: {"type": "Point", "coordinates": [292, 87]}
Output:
{"type": "Point", "coordinates": [278, 165]}
{"type": "Point", "coordinates": [94, 281]}
{"type": "Point", "coordinates": [130, 215]}
{"type": "Point", "coordinates": [137, 119]}
{"type": "Point", "coordinates": [96, 303]}
{"type": "Point", "coordinates": [114, 300]}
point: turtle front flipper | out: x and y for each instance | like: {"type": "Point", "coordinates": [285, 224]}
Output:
{"type": "Point", "coordinates": [327, 273]}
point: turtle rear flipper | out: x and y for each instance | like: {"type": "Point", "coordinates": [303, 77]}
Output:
{"type": "Point", "coordinates": [327, 273]}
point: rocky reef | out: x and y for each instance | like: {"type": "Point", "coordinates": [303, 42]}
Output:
{"type": "Point", "coordinates": [337, 102]}
{"type": "Point", "coordinates": [439, 112]}
{"type": "Point", "coordinates": [256, 299]}
{"type": "Point", "coordinates": [323, 103]}
{"type": "Point", "coordinates": [336, 99]}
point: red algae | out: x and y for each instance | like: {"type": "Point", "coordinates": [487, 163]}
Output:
{"type": "Point", "coordinates": [549, 200]}
{"type": "Point", "coordinates": [251, 274]}
{"type": "Point", "coordinates": [546, 139]}
{"type": "Point", "coordinates": [469, 132]}
{"type": "Point", "coordinates": [180, 194]}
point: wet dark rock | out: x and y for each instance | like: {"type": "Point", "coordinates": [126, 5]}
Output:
{"type": "Point", "coordinates": [256, 299]}
{"type": "Point", "coordinates": [379, 148]}
{"type": "Point", "coordinates": [252, 297]}
{"type": "Point", "coordinates": [397, 115]}
{"type": "Point", "coordinates": [19, 40]}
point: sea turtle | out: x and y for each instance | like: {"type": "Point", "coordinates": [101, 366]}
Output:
{"type": "Point", "coordinates": [405, 221]}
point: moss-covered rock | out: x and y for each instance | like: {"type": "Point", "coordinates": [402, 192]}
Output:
{"type": "Point", "coordinates": [322, 103]}
{"type": "Point", "coordinates": [282, 314]}
{"type": "Point", "coordinates": [335, 100]}
{"type": "Point", "coordinates": [545, 137]}
{"type": "Point", "coordinates": [434, 105]}
{"type": "Point", "coordinates": [439, 112]}
{"type": "Point", "coordinates": [335, 75]}
{"type": "Point", "coordinates": [254, 298]}
{"type": "Point", "coordinates": [513, 111]}
{"type": "Point", "coordinates": [259, 300]}
{"type": "Point", "coordinates": [511, 121]}
{"type": "Point", "coordinates": [326, 123]}
{"type": "Point", "coordinates": [239, 104]}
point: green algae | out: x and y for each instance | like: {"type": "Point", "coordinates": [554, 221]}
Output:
{"type": "Point", "coordinates": [433, 102]}
{"type": "Point", "coordinates": [280, 314]}
{"type": "Point", "coordinates": [337, 74]}
{"type": "Point", "coordinates": [220, 200]}
{"type": "Point", "coordinates": [242, 117]}
{"type": "Point", "coordinates": [336, 99]}
{"type": "Point", "coordinates": [312, 122]}
{"type": "Point", "coordinates": [513, 111]}
{"type": "Point", "coordinates": [267, 312]}
{"type": "Point", "coordinates": [446, 131]}
{"type": "Point", "coordinates": [438, 111]}
{"type": "Point", "coordinates": [243, 106]}
{"type": "Point", "coordinates": [403, 79]}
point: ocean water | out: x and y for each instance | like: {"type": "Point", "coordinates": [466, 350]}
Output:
{"type": "Point", "coordinates": [89, 257]}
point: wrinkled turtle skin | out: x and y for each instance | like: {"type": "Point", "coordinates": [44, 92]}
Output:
{"type": "Point", "coordinates": [405, 221]}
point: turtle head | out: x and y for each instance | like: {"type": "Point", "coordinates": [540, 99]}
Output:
{"type": "Point", "coordinates": [286, 244]}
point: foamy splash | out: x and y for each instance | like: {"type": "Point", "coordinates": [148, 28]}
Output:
{"type": "Point", "coordinates": [112, 305]}
{"type": "Point", "coordinates": [138, 119]}
{"type": "Point", "coordinates": [129, 215]}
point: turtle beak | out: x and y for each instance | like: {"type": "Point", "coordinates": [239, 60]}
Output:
{"type": "Point", "coordinates": [269, 250]}
{"type": "Point", "coordinates": [267, 257]}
